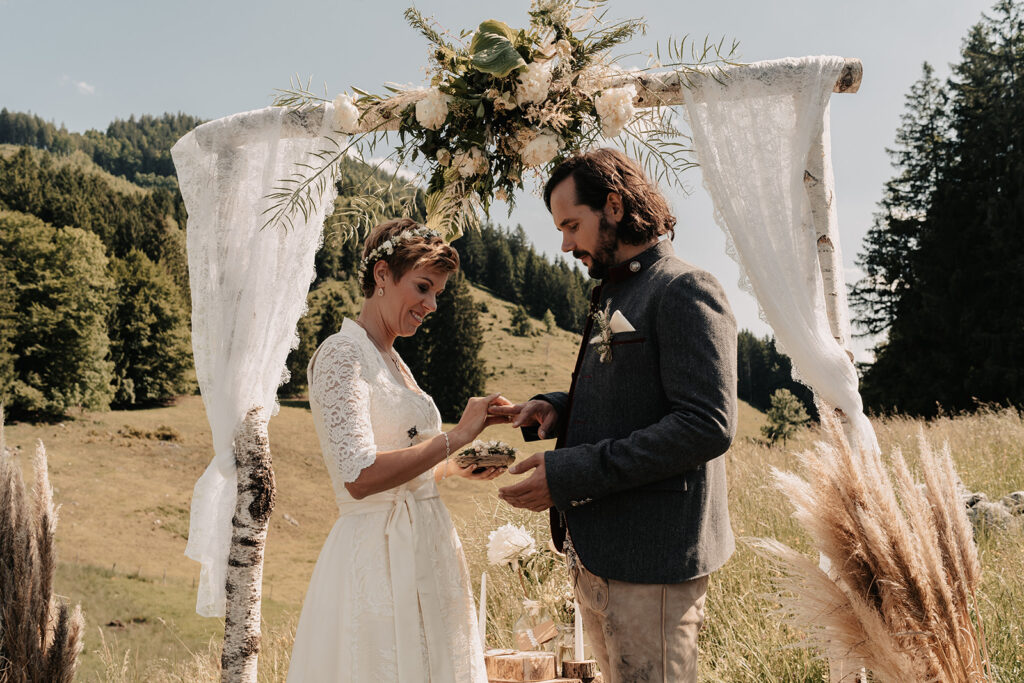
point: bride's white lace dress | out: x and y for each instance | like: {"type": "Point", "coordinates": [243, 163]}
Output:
{"type": "Point", "coordinates": [390, 596]}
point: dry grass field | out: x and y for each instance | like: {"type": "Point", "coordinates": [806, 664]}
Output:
{"type": "Point", "coordinates": [124, 480]}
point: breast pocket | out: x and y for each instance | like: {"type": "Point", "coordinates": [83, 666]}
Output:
{"type": "Point", "coordinates": [626, 339]}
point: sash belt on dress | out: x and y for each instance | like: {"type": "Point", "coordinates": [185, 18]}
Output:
{"type": "Point", "coordinates": [413, 585]}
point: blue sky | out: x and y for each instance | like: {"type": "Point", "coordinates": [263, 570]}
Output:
{"type": "Point", "coordinates": [85, 63]}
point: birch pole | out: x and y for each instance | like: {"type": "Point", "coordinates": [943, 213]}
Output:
{"type": "Point", "coordinates": [255, 502]}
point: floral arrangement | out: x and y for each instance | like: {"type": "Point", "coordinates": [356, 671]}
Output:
{"type": "Point", "coordinates": [487, 454]}
{"type": "Point", "coordinates": [510, 102]}
{"type": "Point", "coordinates": [541, 571]}
{"type": "Point", "coordinates": [603, 338]}
{"type": "Point", "coordinates": [607, 324]}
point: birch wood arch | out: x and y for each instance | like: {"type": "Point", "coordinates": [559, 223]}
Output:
{"type": "Point", "coordinates": [226, 165]}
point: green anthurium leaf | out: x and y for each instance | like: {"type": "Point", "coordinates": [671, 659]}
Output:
{"type": "Point", "coordinates": [492, 50]}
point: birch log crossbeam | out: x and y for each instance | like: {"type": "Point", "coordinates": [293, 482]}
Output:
{"type": "Point", "coordinates": [255, 502]}
{"type": "Point", "coordinates": [654, 89]}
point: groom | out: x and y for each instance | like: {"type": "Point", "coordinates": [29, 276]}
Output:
{"type": "Point", "coordinates": [636, 482]}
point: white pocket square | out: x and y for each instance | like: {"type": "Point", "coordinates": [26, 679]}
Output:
{"type": "Point", "coordinates": [618, 323]}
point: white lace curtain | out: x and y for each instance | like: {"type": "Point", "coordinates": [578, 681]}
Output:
{"type": "Point", "coordinates": [755, 133]}
{"type": "Point", "coordinates": [249, 289]}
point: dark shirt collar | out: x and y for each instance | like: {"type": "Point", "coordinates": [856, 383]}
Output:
{"type": "Point", "coordinates": [639, 263]}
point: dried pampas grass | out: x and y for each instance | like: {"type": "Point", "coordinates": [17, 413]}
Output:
{"type": "Point", "coordinates": [899, 599]}
{"type": "Point", "coordinates": [40, 637]}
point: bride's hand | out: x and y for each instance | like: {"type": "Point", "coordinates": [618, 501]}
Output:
{"type": "Point", "coordinates": [485, 473]}
{"type": "Point", "coordinates": [474, 417]}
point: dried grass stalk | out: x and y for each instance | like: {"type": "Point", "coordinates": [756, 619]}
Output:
{"type": "Point", "coordinates": [901, 593]}
{"type": "Point", "coordinates": [40, 639]}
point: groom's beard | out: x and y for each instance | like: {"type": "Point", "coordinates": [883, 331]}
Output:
{"type": "Point", "coordinates": [604, 256]}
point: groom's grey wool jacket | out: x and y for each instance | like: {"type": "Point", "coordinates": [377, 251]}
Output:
{"type": "Point", "coordinates": [638, 472]}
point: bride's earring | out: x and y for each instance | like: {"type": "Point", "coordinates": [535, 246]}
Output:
{"type": "Point", "coordinates": [380, 292]}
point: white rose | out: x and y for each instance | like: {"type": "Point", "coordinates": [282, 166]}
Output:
{"type": "Point", "coordinates": [470, 163]}
{"type": "Point", "coordinates": [563, 49]}
{"type": "Point", "coordinates": [346, 115]}
{"type": "Point", "coordinates": [541, 149]}
{"type": "Point", "coordinates": [558, 9]}
{"type": "Point", "coordinates": [509, 542]}
{"type": "Point", "coordinates": [615, 109]}
{"type": "Point", "coordinates": [534, 82]}
{"type": "Point", "coordinates": [432, 110]}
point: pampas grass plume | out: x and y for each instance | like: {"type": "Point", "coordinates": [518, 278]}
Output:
{"type": "Point", "coordinates": [40, 637]}
{"type": "Point", "coordinates": [900, 598]}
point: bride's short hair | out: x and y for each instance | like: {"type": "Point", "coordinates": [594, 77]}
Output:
{"type": "Point", "coordinates": [421, 250]}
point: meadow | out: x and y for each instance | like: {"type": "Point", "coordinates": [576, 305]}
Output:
{"type": "Point", "coordinates": [124, 481]}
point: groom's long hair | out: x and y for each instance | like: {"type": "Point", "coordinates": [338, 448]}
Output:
{"type": "Point", "coordinates": [645, 212]}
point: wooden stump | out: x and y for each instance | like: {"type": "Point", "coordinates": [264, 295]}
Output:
{"type": "Point", "coordinates": [520, 666]}
{"type": "Point", "coordinates": [587, 669]}
{"type": "Point", "coordinates": [244, 586]}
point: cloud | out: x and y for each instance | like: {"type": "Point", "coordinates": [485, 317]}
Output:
{"type": "Point", "coordinates": [81, 87]}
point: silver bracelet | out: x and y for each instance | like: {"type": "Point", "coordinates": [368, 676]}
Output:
{"type": "Point", "coordinates": [447, 454]}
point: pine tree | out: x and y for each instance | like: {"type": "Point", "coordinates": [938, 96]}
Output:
{"type": "Point", "coordinates": [327, 307]}
{"type": "Point", "coordinates": [956, 337]}
{"type": "Point", "coordinates": [919, 157]}
{"type": "Point", "coordinates": [785, 416]}
{"type": "Point", "coordinates": [149, 333]}
{"type": "Point", "coordinates": [549, 321]}
{"type": "Point", "coordinates": [520, 324]}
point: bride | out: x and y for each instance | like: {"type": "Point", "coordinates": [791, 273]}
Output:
{"type": "Point", "coordinates": [389, 599]}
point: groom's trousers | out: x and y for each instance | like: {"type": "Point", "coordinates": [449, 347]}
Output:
{"type": "Point", "coordinates": [641, 632]}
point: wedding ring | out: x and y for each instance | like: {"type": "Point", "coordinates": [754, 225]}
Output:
{"type": "Point", "coordinates": [509, 417]}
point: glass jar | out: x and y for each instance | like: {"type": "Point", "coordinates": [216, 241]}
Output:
{"type": "Point", "coordinates": [564, 646]}
{"type": "Point", "coordinates": [523, 631]}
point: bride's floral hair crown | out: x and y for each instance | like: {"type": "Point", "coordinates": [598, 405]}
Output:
{"type": "Point", "coordinates": [403, 244]}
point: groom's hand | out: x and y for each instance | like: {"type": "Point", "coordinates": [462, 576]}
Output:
{"type": "Point", "coordinates": [535, 412]}
{"type": "Point", "coordinates": [532, 493]}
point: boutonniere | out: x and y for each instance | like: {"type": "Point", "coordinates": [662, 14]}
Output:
{"type": "Point", "coordinates": [608, 324]}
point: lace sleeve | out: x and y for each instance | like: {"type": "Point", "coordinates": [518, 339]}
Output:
{"type": "Point", "coordinates": [336, 383]}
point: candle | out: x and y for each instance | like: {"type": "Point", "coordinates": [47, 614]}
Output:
{"type": "Point", "coordinates": [577, 632]}
{"type": "Point", "coordinates": [482, 618]}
